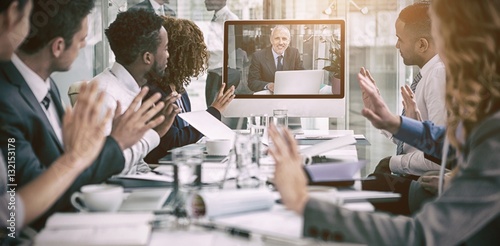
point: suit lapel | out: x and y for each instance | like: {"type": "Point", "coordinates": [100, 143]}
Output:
{"type": "Point", "coordinates": [15, 78]}
{"type": "Point", "coordinates": [271, 66]}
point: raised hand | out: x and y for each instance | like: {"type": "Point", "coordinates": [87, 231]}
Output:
{"type": "Point", "coordinates": [365, 73]}
{"type": "Point", "coordinates": [410, 104]}
{"type": "Point", "coordinates": [223, 98]}
{"type": "Point", "coordinates": [129, 127]}
{"type": "Point", "coordinates": [375, 109]}
{"type": "Point", "coordinates": [169, 112]}
{"type": "Point", "coordinates": [83, 127]}
{"type": "Point", "coordinates": [289, 177]}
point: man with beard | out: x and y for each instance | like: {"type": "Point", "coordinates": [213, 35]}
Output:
{"type": "Point", "coordinates": [139, 42]}
{"type": "Point", "coordinates": [279, 56]}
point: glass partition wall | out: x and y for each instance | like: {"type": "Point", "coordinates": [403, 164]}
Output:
{"type": "Point", "coordinates": [370, 41]}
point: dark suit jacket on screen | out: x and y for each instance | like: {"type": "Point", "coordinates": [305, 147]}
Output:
{"type": "Point", "coordinates": [36, 145]}
{"type": "Point", "coordinates": [179, 134]}
{"type": "Point", "coordinates": [147, 6]}
{"type": "Point", "coordinates": [263, 67]}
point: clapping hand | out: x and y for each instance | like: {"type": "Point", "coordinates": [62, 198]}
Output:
{"type": "Point", "coordinates": [83, 127]}
{"type": "Point", "coordinates": [410, 104]}
{"type": "Point", "coordinates": [130, 127]}
{"type": "Point", "coordinates": [289, 177]}
{"type": "Point", "coordinates": [169, 112]}
{"type": "Point", "coordinates": [375, 109]}
{"type": "Point", "coordinates": [223, 98]}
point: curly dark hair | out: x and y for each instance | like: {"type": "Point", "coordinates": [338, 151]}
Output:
{"type": "Point", "coordinates": [134, 33]}
{"type": "Point", "coordinates": [55, 19]}
{"type": "Point", "coordinates": [188, 54]}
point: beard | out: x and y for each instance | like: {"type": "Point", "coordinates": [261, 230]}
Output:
{"type": "Point", "coordinates": [156, 74]}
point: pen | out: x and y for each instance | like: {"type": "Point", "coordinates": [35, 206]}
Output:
{"type": "Point", "coordinates": [230, 230]}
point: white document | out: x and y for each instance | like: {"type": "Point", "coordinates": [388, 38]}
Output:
{"type": "Point", "coordinates": [277, 221]}
{"type": "Point", "coordinates": [145, 200]}
{"type": "Point", "coordinates": [335, 171]}
{"type": "Point", "coordinates": [325, 146]}
{"type": "Point", "coordinates": [148, 176]}
{"type": "Point", "coordinates": [226, 202]}
{"type": "Point", "coordinates": [208, 125]}
{"type": "Point", "coordinates": [96, 229]}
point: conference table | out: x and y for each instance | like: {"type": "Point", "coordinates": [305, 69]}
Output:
{"type": "Point", "coordinates": [277, 226]}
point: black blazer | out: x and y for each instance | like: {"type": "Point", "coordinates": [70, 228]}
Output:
{"type": "Point", "coordinates": [263, 67]}
{"type": "Point", "coordinates": [178, 135]}
{"type": "Point", "coordinates": [36, 145]}
{"type": "Point", "coordinates": [147, 6]}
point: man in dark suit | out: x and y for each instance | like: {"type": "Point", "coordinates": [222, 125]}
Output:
{"type": "Point", "coordinates": [279, 56]}
{"type": "Point", "coordinates": [30, 104]}
{"type": "Point", "coordinates": [158, 6]}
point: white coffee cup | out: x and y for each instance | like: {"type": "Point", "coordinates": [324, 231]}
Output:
{"type": "Point", "coordinates": [218, 146]}
{"type": "Point", "coordinates": [98, 197]}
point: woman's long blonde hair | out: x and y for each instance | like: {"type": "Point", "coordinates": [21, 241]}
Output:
{"type": "Point", "coordinates": [470, 36]}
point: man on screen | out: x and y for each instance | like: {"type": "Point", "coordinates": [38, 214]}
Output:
{"type": "Point", "coordinates": [279, 56]}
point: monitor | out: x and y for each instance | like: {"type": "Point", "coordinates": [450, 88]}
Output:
{"type": "Point", "coordinates": [312, 45]}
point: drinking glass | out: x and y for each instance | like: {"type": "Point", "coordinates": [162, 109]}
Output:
{"type": "Point", "coordinates": [280, 117]}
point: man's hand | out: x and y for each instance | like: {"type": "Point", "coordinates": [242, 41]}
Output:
{"type": "Point", "coordinates": [129, 127]}
{"type": "Point", "coordinates": [169, 112]}
{"type": "Point", "coordinates": [83, 127]}
{"type": "Point", "coordinates": [223, 98]}
{"type": "Point", "coordinates": [289, 177]}
{"type": "Point", "coordinates": [410, 104]}
{"type": "Point", "coordinates": [270, 87]}
{"type": "Point", "coordinates": [375, 109]}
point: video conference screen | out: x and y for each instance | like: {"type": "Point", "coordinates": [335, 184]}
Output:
{"type": "Point", "coordinates": [285, 58]}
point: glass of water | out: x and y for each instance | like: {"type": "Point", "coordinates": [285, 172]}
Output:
{"type": "Point", "coordinates": [280, 117]}
{"type": "Point", "coordinates": [257, 124]}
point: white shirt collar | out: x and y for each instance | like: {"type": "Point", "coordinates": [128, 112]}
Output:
{"type": "Point", "coordinates": [429, 65]}
{"type": "Point", "coordinates": [125, 77]}
{"type": "Point", "coordinates": [38, 86]}
{"type": "Point", "coordinates": [155, 5]}
{"type": "Point", "coordinates": [222, 11]}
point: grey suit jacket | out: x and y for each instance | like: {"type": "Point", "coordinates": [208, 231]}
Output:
{"type": "Point", "coordinates": [468, 211]}
{"type": "Point", "coordinates": [23, 121]}
{"type": "Point", "coordinates": [263, 67]}
{"type": "Point", "coordinates": [147, 6]}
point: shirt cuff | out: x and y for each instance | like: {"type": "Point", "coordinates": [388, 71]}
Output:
{"type": "Point", "coordinates": [395, 164]}
{"type": "Point", "coordinates": [409, 130]}
{"type": "Point", "coordinates": [152, 138]}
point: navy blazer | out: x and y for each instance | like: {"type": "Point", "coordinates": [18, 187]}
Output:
{"type": "Point", "coordinates": [263, 67]}
{"type": "Point", "coordinates": [178, 135]}
{"type": "Point", "coordinates": [147, 6]}
{"type": "Point", "coordinates": [36, 145]}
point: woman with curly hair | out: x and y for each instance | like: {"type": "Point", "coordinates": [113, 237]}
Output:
{"type": "Point", "coordinates": [467, 211]}
{"type": "Point", "coordinates": [188, 57]}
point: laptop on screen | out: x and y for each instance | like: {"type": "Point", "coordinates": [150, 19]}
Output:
{"type": "Point", "coordinates": [296, 82]}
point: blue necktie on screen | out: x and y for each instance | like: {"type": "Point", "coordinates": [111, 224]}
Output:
{"type": "Point", "coordinates": [413, 86]}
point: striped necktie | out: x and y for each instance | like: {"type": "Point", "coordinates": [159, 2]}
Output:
{"type": "Point", "coordinates": [413, 86]}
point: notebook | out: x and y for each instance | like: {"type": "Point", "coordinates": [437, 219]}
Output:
{"type": "Point", "coordinates": [296, 82]}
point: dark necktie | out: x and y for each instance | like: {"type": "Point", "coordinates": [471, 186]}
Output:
{"type": "Point", "coordinates": [279, 66]}
{"type": "Point", "coordinates": [413, 86]}
{"type": "Point", "coordinates": [214, 18]}
{"type": "Point", "coordinates": [56, 100]}
{"type": "Point", "coordinates": [46, 101]}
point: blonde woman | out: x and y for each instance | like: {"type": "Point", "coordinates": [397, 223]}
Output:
{"type": "Point", "coordinates": [468, 209]}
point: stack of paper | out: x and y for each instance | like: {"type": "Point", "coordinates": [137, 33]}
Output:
{"type": "Point", "coordinates": [96, 229]}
